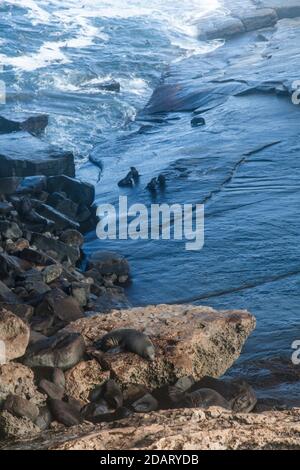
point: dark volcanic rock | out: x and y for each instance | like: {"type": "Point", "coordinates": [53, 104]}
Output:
{"type": "Point", "coordinates": [61, 221]}
{"type": "Point", "coordinates": [22, 311]}
{"type": "Point", "coordinates": [108, 262]}
{"type": "Point", "coordinates": [5, 208]}
{"type": "Point", "coordinates": [25, 155]}
{"type": "Point", "coordinates": [36, 257]}
{"type": "Point", "coordinates": [6, 295]}
{"type": "Point", "coordinates": [111, 85]}
{"type": "Point", "coordinates": [63, 252]}
{"type": "Point", "coordinates": [76, 190]}
{"type": "Point", "coordinates": [34, 125]}
{"type": "Point", "coordinates": [32, 184]}
{"type": "Point", "coordinates": [64, 205]}
{"type": "Point", "coordinates": [72, 238]}
{"type": "Point", "coordinates": [57, 304]}
{"type": "Point", "coordinates": [10, 230]}
{"type": "Point", "coordinates": [63, 351]}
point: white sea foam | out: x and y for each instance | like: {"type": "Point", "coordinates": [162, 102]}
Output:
{"type": "Point", "coordinates": [76, 18]}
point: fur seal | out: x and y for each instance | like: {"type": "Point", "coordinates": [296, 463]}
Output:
{"type": "Point", "coordinates": [238, 393]}
{"type": "Point", "coordinates": [145, 404]}
{"type": "Point", "coordinates": [152, 186]}
{"type": "Point", "coordinates": [202, 398]}
{"type": "Point", "coordinates": [128, 340]}
{"type": "Point", "coordinates": [130, 179]}
{"type": "Point", "coordinates": [110, 392]}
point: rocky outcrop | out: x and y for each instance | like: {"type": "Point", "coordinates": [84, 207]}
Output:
{"type": "Point", "coordinates": [188, 340]}
{"type": "Point", "coordinates": [15, 335]}
{"type": "Point", "coordinates": [283, 8]}
{"type": "Point", "coordinates": [184, 429]}
{"type": "Point", "coordinates": [35, 125]}
{"type": "Point", "coordinates": [241, 20]}
{"type": "Point", "coordinates": [24, 155]}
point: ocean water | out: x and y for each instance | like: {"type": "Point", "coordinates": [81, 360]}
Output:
{"type": "Point", "coordinates": [56, 57]}
{"type": "Point", "coordinates": [57, 54]}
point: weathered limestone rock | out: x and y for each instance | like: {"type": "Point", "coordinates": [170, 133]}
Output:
{"type": "Point", "coordinates": [25, 155]}
{"type": "Point", "coordinates": [17, 379]}
{"type": "Point", "coordinates": [83, 378]}
{"type": "Point", "coordinates": [14, 427]}
{"type": "Point", "coordinates": [182, 429]}
{"type": "Point", "coordinates": [189, 340]}
{"type": "Point", "coordinates": [284, 8]}
{"type": "Point", "coordinates": [219, 27]}
{"type": "Point", "coordinates": [257, 19]}
{"type": "Point", "coordinates": [15, 334]}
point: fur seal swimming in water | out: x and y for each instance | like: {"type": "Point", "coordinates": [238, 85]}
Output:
{"type": "Point", "coordinates": [128, 340]}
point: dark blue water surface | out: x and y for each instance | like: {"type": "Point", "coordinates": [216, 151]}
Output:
{"type": "Point", "coordinates": [56, 57]}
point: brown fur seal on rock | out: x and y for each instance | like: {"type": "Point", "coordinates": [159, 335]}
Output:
{"type": "Point", "coordinates": [202, 398]}
{"type": "Point", "coordinates": [128, 340]}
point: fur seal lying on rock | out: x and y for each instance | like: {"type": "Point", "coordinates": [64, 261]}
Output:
{"type": "Point", "coordinates": [128, 340]}
{"type": "Point", "coordinates": [110, 392]}
{"type": "Point", "coordinates": [234, 395]}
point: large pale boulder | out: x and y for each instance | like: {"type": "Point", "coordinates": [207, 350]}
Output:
{"type": "Point", "coordinates": [188, 340]}
{"type": "Point", "coordinates": [14, 333]}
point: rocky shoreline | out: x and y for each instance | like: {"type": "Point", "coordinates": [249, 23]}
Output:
{"type": "Point", "coordinates": [58, 388]}
{"type": "Point", "coordinates": [56, 306]}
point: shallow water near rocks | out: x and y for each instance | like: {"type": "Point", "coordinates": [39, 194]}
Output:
{"type": "Point", "coordinates": [240, 165]}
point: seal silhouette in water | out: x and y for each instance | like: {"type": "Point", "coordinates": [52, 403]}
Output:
{"type": "Point", "coordinates": [128, 340]}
